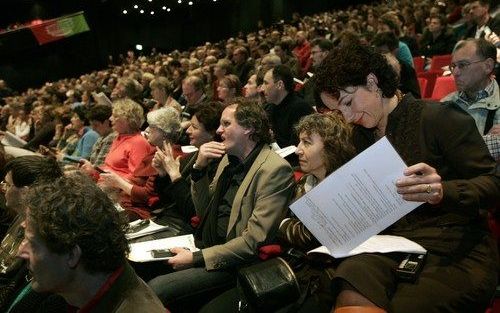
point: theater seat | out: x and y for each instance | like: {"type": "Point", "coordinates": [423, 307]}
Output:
{"type": "Point", "coordinates": [439, 61]}
{"type": "Point", "coordinates": [443, 86]}
{"type": "Point", "coordinates": [422, 83]}
{"type": "Point", "coordinates": [419, 63]}
{"type": "Point", "coordinates": [431, 79]}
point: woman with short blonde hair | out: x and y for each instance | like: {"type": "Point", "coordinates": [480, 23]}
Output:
{"type": "Point", "coordinates": [129, 157]}
{"type": "Point", "coordinates": [131, 111]}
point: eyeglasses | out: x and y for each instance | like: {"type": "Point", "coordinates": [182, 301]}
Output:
{"type": "Point", "coordinates": [4, 185]}
{"type": "Point", "coordinates": [153, 128]}
{"type": "Point", "coordinates": [461, 65]}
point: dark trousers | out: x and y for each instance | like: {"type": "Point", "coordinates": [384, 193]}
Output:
{"type": "Point", "coordinates": [187, 290]}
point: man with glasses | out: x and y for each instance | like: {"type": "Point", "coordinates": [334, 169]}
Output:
{"type": "Point", "coordinates": [193, 94]}
{"type": "Point", "coordinates": [242, 66]}
{"type": "Point", "coordinates": [320, 49]}
{"type": "Point", "coordinates": [473, 64]}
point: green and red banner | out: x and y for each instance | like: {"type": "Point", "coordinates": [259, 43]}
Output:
{"type": "Point", "coordinates": [60, 28]}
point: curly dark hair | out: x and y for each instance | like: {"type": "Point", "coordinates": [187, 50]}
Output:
{"type": "Point", "coordinates": [336, 134]}
{"type": "Point", "coordinates": [350, 65]}
{"type": "Point", "coordinates": [72, 211]}
{"type": "Point", "coordinates": [251, 115]}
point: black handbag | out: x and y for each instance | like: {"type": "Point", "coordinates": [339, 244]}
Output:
{"type": "Point", "coordinates": [269, 285]}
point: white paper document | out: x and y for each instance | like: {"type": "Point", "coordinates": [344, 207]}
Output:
{"type": "Point", "coordinates": [380, 244]}
{"type": "Point", "coordinates": [143, 251]}
{"type": "Point", "coordinates": [12, 140]}
{"type": "Point", "coordinates": [142, 228]}
{"type": "Point", "coordinates": [357, 201]}
{"type": "Point", "coordinates": [17, 152]}
{"type": "Point", "coordinates": [284, 152]}
{"type": "Point", "coordinates": [189, 149]}
{"type": "Point", "coordinates": [101, 99]}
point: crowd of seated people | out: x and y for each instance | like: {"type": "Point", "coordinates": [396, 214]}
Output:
{"type": "Point", "coordinates": [189, 138]}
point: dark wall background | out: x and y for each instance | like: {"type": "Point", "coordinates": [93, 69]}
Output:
{"type": "Point", "coordinates": [24, 64]}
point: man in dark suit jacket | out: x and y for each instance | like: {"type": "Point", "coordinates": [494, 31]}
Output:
{"type": "Point", "coordinates": [285, 107]}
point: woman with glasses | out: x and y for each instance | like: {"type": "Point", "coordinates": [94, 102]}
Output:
{"type": "Point", "coordinates": [450, 172]}
{"type": "Point", "coordinates": [138, 194]}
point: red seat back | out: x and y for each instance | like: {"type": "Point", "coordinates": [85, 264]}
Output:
{"type": "Point", "coordinates": [438, 61]}
{"type": "Point", "coordinates": [431, 79]}
{"type": "Point", "coordinates": [422, 83]}
{"type": "Point", "coordinates": [419, 63]}
{"type": "Point", "coordinates": [444, 85]}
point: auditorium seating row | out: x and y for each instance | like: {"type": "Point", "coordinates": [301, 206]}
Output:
{"type": "Point", "coordinates": [432, 84]}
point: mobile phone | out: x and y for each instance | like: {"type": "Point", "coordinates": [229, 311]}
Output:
{"type": "Point", "coordinates": [72, 160]}
{"type": "Point", "coordinates": [409, 268]}
{"type": "Point", "coordinates": [161, 253]}
{"type": "Point", "coordinates": [100, 170]}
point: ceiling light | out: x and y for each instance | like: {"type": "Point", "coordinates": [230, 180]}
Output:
{"type": "Point", "coordinates": [136, 6]}
{"type": "Point", "coordinates": [152, 12]}
{"type": "Point", "coordinates": [141, 11]}
{"type": "Point", "coordinates": [168, 10]}
{"type": "Point", "coordinates": [164, 7]}
{"type": "Point", "coordinates": [125, 11]}
{"type": "Point", "coordinates": [190, 2]}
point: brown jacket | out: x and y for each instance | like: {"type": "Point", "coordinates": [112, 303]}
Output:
{"type": "Point", "coordinates": [259, 206]}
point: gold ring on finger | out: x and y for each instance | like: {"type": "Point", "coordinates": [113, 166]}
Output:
{"type": "Point", "coordinates": [428, 189]}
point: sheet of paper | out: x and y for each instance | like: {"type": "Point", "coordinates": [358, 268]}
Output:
{"type": "Point", "coordinates": [284, 152]}
{"type": "Point", "coordinates": [380, 244]}
{"type": "Point", "coordinates": [142, 251]}
{"type": "Point", "coordinates": [102, 99]}
{"type": "Point", "coordinates": [357, 201]}
{"type": "Point", "coordinates": [150, 228]}
{"type": "Point", "coordinates": [189, 149]}
{"type": "Point", "coordinates": [12, 140]}
{"type": "Point", "coordinates": [17, 152]}
{"type": "Point", "coordinates": [118, 207]}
